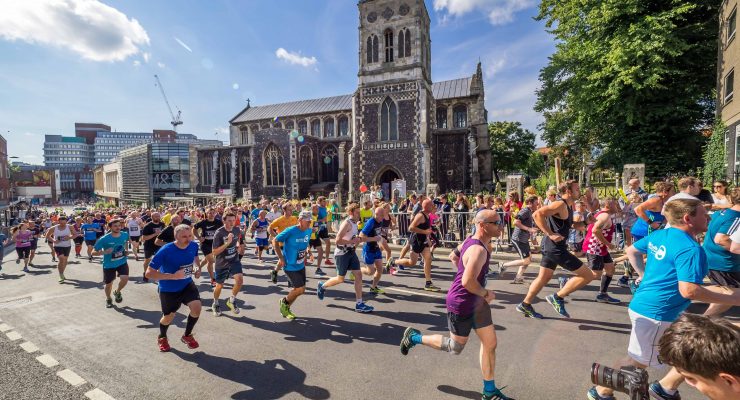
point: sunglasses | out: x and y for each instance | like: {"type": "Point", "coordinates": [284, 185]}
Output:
{"type": "Point", "coordinates": [493, 222]}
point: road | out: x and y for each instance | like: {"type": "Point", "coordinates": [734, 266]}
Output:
{"type": "Point", "coordinates": [328, 352]}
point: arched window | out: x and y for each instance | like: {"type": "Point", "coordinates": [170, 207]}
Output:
{"type": "Point", "coordinates": [289, 125]}
{"type": "Point", "coordinates": [244, 170]}
{"type": "Point", "coordinates": [407, 47]}
{"type": "Point", "coordinates": [244, 134]}
{"type": "Point", "coordinates": [401, 43]}
{"type": "Point", "coordinates": [329, 164]}
{"type": "Point", "coordinates": [375, 49]}
{"type": "Point", "coordinates": [369, 50]}
{"type": "Point", "coordinates": [388, 45]}
{"type": "Point", "coordinates": [225, 171]}
{"type": "Point", "coordinates": [274, 168]}
{"type": "Point", "coordinates": [388, 120]}
{"type": "Point", "coordinates": [305, 162]}
{"type": "Point", "coordinates": [303, 127]}
{"type": "Point", "coordinates": [343, 126]}
{"type": "Point", "coordinates": [442, 118]}
{"type": "Point", "coordinates": [205, 170]}
{"type": "Point", "coordinates": [460, 116]}
{"type": "Point", "coordinates": [329, 127]}
{"type": "Point", "coordinates": [316, 128]}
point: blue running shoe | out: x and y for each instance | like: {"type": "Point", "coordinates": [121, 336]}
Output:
{"type": "Point", "coordinates": [363, 308]}
{"type": "Point", "coordinates": [657, 392]}
{"type": "Point", "coordinates": [623, 282]}
{"type": "Point", "coordinates": [605, 298]}
{"type": "Point", "coordinates": [528, 311]}
{"type": "Point", "coordinates": [495, 395]}
{"type": "Point", "coordinates": [592, 394]}
{"type": "Point", "coordinates": [320, 291]}
{"type": "Point", "coordinates": [406, 343]}
{"type": "Point", "coordinates": [558, 305]}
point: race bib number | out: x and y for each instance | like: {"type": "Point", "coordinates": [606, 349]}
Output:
{"type": "Point", "coordinates": [230, 252]}
{"type": "Point", "coordinates": [300, 257]}
{"type": "Point", "coordinates": [210, 235]}
{"type": "Point", "coordinates": [188, 270]}
{"type": "Point", "coordinates": [118, 253]}
{"type": "Point", "coordinates": [133, 229]}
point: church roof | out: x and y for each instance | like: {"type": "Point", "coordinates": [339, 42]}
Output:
{"type": "Point", "coordinates": [451, 89]}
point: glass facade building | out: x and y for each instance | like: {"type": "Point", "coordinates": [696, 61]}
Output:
{"type": "Point", "coordinates": [155, 170]}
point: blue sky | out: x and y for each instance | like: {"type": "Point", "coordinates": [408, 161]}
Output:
{"type": "Point", "coordinates": [90, 61]}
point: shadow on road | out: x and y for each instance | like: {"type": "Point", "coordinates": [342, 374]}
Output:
{"type": "Point", "coordinates": [151, 317]}
{"type": "Point", "coordinates": [269, 380]}
{"type": "Point", "coordinates": [451, 390]}
{"type": "Point", "coordinates": [79, 284]}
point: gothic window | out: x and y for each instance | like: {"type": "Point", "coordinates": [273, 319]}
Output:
{"type": "Point", "coordinates": [407, 46]}
{"type": "Point", "coordinates": [245, 134]}
{"type": "Point", "coordinates": [343, 126]}
{"type": "Point", "coordinates": [369, 49]}
{"type": "Point", "coordinates": [274, 168]}
{"type": "Point", "coordinates": [205, 170]}
{"type": "Point", "coordinates": [289, 125]}
{"type": "Point", "coordinates": [388, 45]}
{"type": "Point", "coordinates": [244, 170]}
{"type": "Point", "coordinates": [329, 127]}
{"type": "Point", "coordinates": [442, 118]}
{"type": "Point", "coordinates": [401, 43]}
{"type": "Point", "coordinates": [303, 127]}
{"type": "Point", "coordinates": [375, 49]}
{"type": "Point", "coordinates": [329, 164]}
{"type": "Point", "coordinates": [316, 128]}
{"type": "Point", "coordinates": [460, 116]}
{"type": "Point", "coordinates": [388, 120]}
{"type": "Point", "coordinates": [225, 171]}
{"type": "Point", "coordinates": [305, 162]}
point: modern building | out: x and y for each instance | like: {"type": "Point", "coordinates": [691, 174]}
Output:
{"type": "Point", "coordinates": [35, 184]}
{"type": "Point", "coordinates": [727, 107]}
{"type": "Point", "coordinates": [107, 182]}
{"type": "Point", "coordinates": [397, 125]}
{"type": "Point", "coordinates": [152, 171]}
{"type": "Point", "coordinates": [5, 196]}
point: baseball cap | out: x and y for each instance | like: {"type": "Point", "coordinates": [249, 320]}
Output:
{"type": "Point", "coordinates": [305, 215]}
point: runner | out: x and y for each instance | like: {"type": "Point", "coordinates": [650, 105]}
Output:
{"type": "Point", "coordinates": [315, 241]}
{"type": "Point", "coordinates": [23, 238]}
{"type": "Point", "coordinates": [37, 231]}
{"type": "Point", "coordinates": [389, 223]}
{"type": "Point", "coordinates": [60, 236]}
{"type": "Point", "coordinates": [134, 225]}
{"type": "Point", "coordinates": [555, 220]}
{"type": "Point", "coordinates": [346, 258]}
{"type": "Point", "coordinates": [205, 231]}
{"type": "Point", "coordinates": [323, 217]}
{"type": "Point", "coordinates": [372, 255]}
{"type": "Point", "coordinates": [468, 304]}
{"type": "Point", "coordinates": [291, 256]}
{"type": "Point", "coordinates": [524, 231]}
{"type": "Point", "coordinates": [149, 235]}
{"type": "Point", "coordinates": [724, 266]}
{"type": "Point", "coordinates": [172, 267]}
{"type": "Point", "coordinates": [168, 234]}
{"type": "Point", "coordinates": [79, 239]}
{"type": "Point", "coordinates": [90, 231]}
{"type": "Point", "coordinates": [282, 223]}
{"type": "Point", "coordinates": [259, 229]}
{"type": "Point", "coordinates": [597, 244]}
{"type": "Point", "coordinates": [227, 241]}
{"type": "Point", "coordinates": [420, 228]}
{"type": "Point", "coordinates": [113, 247]}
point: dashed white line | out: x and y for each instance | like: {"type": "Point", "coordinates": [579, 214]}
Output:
{"type": "Point", "coordinates": [47, 360]}
{"type": "Point", "coordinates": [412, 292]}
{"type": "Point", "coordinates": [5, 327]}
{"type": "Point", "coordinates": [97, 394]}
{"type": "Point", "coordinates": [71, 378]}
{"type": "Point", "coordinates": [29, 347]}
{"type": "Point", "coordinates": [13, 335]}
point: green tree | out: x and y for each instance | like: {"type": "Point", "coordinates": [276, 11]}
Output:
{"type": "Point", "coordinates": [511, 146]}
{"type": "Point", "coordinates": [714, 154]}
{"type": "Point", "coordinates": [631, 79]}
{"type": "Point", "coordinates": [535, 165]}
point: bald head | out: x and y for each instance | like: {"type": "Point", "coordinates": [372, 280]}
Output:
{"type": "Point", "coordinates": [485, 215]}
{"type": "Point", "coordinates": [427, 205]}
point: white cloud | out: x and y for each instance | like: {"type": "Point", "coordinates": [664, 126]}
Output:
{"type": "Point", "coordinates": [137, 63]}
{"type": "Point", "coordinates": [494, 67]}
{"type": "Point", "coordinates": [235, 86]}
{"type": "Point", "coordinates": [506, 112]}
{"type": "Point", "coordinates": [183, 44]}
{"type": "Point", "coordinates": [30, 156]}
{"type": "Point", "coordinates": [146, 57]}
{"type": "Point", "coordinates": [160, 64]}
{"type": "Point", "coordinates": [29, 134]}
{"type": "Point", "coordinates": [90, 28]}
{"type": "Point", "coordinates": [295, 58]}
{"type": "Point", "coordinates": [499, 12]}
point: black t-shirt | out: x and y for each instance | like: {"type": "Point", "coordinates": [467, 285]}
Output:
{"type": "Point", "coordinates": [705, 196]}
{"type": "Point", "coordinates": [228, 256]}
{"type": "Point", "coordinates": [149, 229]}
{"type": "Point", "coordinates": [208, 229]}
{"type": "Point", "coordinates": [167, 235]}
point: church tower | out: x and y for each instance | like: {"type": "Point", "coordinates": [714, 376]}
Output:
{"type": "Point", "coordinates": [392, 104]}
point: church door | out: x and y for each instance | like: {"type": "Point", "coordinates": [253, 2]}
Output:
{"type": "Point", "coordinates": [385, 180]}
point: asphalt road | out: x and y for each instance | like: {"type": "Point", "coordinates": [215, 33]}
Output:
{"type": "Point", "coordinates": [328, 352]}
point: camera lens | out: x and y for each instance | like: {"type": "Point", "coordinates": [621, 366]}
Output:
{"type": "Point", "coordinates": [608, 377]}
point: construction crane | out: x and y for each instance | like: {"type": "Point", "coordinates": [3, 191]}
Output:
{"type": "Point", "coordinates": [175, 119]}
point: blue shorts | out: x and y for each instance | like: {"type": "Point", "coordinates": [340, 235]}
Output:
{"type": "Point", "coordinates": [221, 275]}
{"type": "Point", "coordinates": [262, 242]}
{"type": "Point", "coordinates": [369, 257]}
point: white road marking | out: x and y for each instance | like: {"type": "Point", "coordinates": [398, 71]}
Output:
{"type": "Point", "coordinates": [13, 335]}
{"type": "Point", "coordinates": [5, 327]}
{"type": "Point", "coordinates": [412, 292]}
{"type": "Point", "coordinates": [97, 394]}
{"type": "Point", "coordinates": [71, 378]}
{"type": "Point", "coordinates": [47, 360]}
{"type": "Point", "coordinates": [29, 347]}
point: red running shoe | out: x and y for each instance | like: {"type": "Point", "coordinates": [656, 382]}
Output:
{"type": "Point", "coordinates": [328, 262]}
{"type": "Point", "coordinates": [190, 341]}
{"type": "Point", "coordinates": [164, 345]}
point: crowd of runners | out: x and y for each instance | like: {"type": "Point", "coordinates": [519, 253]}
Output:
{"type": "Point", "coordinates": [673, 240]}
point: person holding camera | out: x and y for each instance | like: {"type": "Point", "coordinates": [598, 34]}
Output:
{"type": "Point", "coordinates": [676, 267]}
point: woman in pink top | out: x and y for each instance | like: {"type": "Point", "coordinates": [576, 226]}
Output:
{"type": "Point", "coordinates": [434, 221]}
{"type": "Point", "coordinates": [22, 237]}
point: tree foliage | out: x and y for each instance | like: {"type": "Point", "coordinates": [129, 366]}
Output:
{"type": "Point", "coordinates": [631, 79]}
{"type": "Point", "coordinates": [714, 154]}
{"type": "Point", "coordinates": [535, 165]}
{"type": "Point", "coordinates": [511, 146]}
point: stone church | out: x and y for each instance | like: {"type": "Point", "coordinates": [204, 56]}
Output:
{"type": "Point", "coordinates": [398, 124]}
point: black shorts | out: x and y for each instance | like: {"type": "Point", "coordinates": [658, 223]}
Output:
{"type": "Point", "coordinates": [596, 263]}
{"type": "Point", "coordinates": [576, 247]}
{"type": "Point", "coordinates": [171, 301]}
{"type": "Point", "coordinates": [522, 248]}
{"type": "Point", "coordinates": [551, 258]}
{"type": "Point", "coordinates": [23, 252]}
{"type": "Point", "coordinates": [134, 238]}
{"type": "Point", "coordinates": [206, 248]}
{"type": "Point", "coordinates": [109, 274]}
{"type": "Point", "coordinates": [461, 325]}
{"type": "Point", "coordinates": [296, 278]}
{"type": "Point", "coordinates": [78, 241]}
{"type": "Point", "coordinates": [417, 244]}
{"type": "Point", "coordinates": [221, 275]}
{"type": "Point", "coordinates": [149, 253]}
{"type": "Point", "coordinates": [62, 251]}
{"type": "Point", "coordinates": [347, 262]}
{"type": "Point", "coordinates": [90, 242]}
{"type": "Point", "coordinates": [315, 243]}
{"type": "Point", "coordinates": [34, 244]}
{"type": "Point", "coordinates": [323, 232]}
{"type": "Point", "coordinates": [725, 278]}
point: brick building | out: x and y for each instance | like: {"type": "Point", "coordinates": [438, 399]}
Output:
{"type": "Point", "coordinates": [398, 124]}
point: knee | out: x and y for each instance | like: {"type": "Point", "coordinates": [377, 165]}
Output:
{"type": "Point", "coordinates": [300, 290]}
{"type": "Point", "coordinates": [452, 346]}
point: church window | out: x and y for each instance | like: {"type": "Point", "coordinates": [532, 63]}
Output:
{"type": "Point", "coordinates": [407, 46]}
{"type": "Point", "coordinates": [226, 171]}
{"type": "Point", "coordinates": [404, 43]}
{"type": "Point", "coordinates": [244, 170]}
{"type": "Point", "coordinates": [372, 49]}
{"type": "Point", "coordinates": [329, 127]}
{"type": "Point", "coordinates": [442, 118]}
{"type": "Point", "coordinates": [388, 120]}
{"type": "Point", "coordinates": [401, 43]}
{"type": "Point", "coordinates": [205, 171]}
{"type": "Point", "coordinates": [375, 49]}
{"type": "Point", "coordinates": [329, 164]}
{"type": "Point", "coordinates": [305, 162]}
{"type": "Point", "coordinates": [245, 134]}
{"type": "Point", "coordinates": [289, 125]}
{"type": "Point", "coordinates": [274, 168]}
{"type": "Point", "coordinates": [460, 116]}
{"type": "Point", "coordinates": [343, 126]}
{"type": "Point", "coordinates": [254, 128]}
{"type": "Point", "coordinates": [388, 45]}
{"type": "Point", "coordinates": [316, 128]}
{"type": "Point", "coordinates": [303, 127]}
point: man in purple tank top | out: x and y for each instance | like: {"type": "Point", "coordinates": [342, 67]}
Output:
{"type": "Point", "coordinates": [468, 303]}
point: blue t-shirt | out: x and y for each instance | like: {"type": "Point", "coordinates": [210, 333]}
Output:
{"type": "Point", "coordinates": [90, 230]}
{"type": "Point", "coordinates": [255, 213]}
{"type": "Point", "coordinates": [372, 228]}
{"type": "Point", "coordinates": [673, 256]}
{"type": "Point", "coordinates": [294, 249]}
{"type": "Point", "coordinates": [720, 259]}
{"type": "Point", "coordinates": [118, 244]}
{"type": "Point", "coordinates": [322, 213]}
{"type": "Point", "coordinates": [171, 258]}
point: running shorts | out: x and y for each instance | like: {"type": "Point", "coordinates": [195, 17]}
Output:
{"type": "Point", "coordinates": [347, 262]}
{"type": "Point", "coordinates": [596, 263]}
{"type": "Point", "coordinates": [315, 243]}
{"type": "Point", "coordinates": [23, 252]}
{"type": "Point", "coordinates": [262, 243]}
{"type": "Point", "coordinates": [644, 337]}
{"type": "Point", "coordinates": [90, 242]}
{"type": "Point", "coordinates": [109, 274]}
{"type": "Point", "coordinates": [369, 257]}
{"type": "Point", "coordinates": [296, 278]}
{"type": "Point", "coordinates": [522, 248]}
{"type": "Point", "coordinates": [171, 301]}
{"type": "Point", "coordinates": [323, 232]}
{"type": "Point", "coordinates": [134, 238]}
{"type": "Point", "coordinates": [562, 257]}
{"type": "Point", "coordinates": [78, 240]}
{"type": "Point", "coordinates": [461, 325]}
{"type": "Point", "coordinates": [62, 251]}
{"type": "Point", "coordinates": [221, 275]}
{"type": "Point", "coordinates": [206, 248]}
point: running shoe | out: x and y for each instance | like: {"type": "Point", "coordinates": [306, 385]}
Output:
{"type": "Point", "coordinates": [320, 291]}
{"type": "Point", "coordinates": [393, 271]}
{"type": "Point", "coordinates": [61, 278]}
{"type": "Point", "coordinates": [319, 272]}
{"type": "Point", "coordinates": [592, 394]}
{"type": "Point", "coordinates": [108, 303]}
{"type": "Point", "coordinates": [406, 343]}
{"type": "Point", "coordinates": [431, 288]}
{"type": "Point", "coordinates": [517, 281]}
{"type": "Point", "coordinates": [216, 309]}
{"type": "Point", "coordinates": [657, 392]}
{"type": "Point", "coordinates": [623, 282]}
{"type": "Point", "coordinates": [232, 305]}
{"type": "Point", "coordinates": [145, 279]}
{"type": "Point", "coordinates": [528, 311]}
{"type": "Point", "coordinates": [329, 262]}
{"type": "Point", "coordinates": [190, 341]}
{"type": "Point", "coordinates": [273, 276]}
{"type": "Point", "coordinates": [26, 270]}
{"type": "Point", "coordinates": [389, 264]}
{"type": "Point", "coordinates": [605, 298]}
{"type": "Point", "coordinates": [89, 258]}
{"type": "Point", "coordinates": [352, 276]}
{"type": "Point", "coordinates": [117, 295]}
{"type": "Point", "coordinates": [285, 310]}
{"type": "Point", "coordinates": [495, 395]}
{"type": "Point", "coordinates": [164, 345]}
{"type": "Point", "coordinates": [558, 305]}
{"type": "Point", "coordinates": [18, 261]}
{"type": "Point", "coordinates": [363, 308]}
{"type": "Point", "coordinates": [562, 281]}
{"type": "Point", "coordinates": [401, 267]}
{"type": "Point", "coordinates": [377, 290]}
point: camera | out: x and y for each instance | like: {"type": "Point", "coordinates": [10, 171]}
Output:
{"type": "Point", "coordinates": [630, 380]}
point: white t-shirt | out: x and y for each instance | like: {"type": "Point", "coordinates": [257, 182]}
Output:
{"type": "Point", "coordinates": [735, 236]}
{"type": "Point", "coordinates": [719, 201]}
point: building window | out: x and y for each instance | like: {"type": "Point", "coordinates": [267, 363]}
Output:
{"type": "Point", "coordinates": [329, 164]}
{"type": "Point", "coordinates": [729, 85]}
{"type": "Point", "coordinates": [305, 162]}
{"type": "Point", "coordinates": [388, 45]}
{"type": "Point", "coordinates": [343, 126]}
{"type": "Point", "coordinates": [244, 171]}
{"type": "Point", "coordinates": [388, 120]}
{"type": "Point", "coordinates": [408, 43]}
{"type": "Point", "coordinates": [254, 128]}
{"type": "Point", "coordinates": [442, 118]}
{"type": "Point", "coordinates": [460, 116]}
{"type": "Point", "coordinates": [274, 168]}
{"type": "Point", "coordinates": [303, 127]}
{"type": "Point", "coordinates": [329, 127]}
{"type": "Point", "coordinates": [401, 43]}
{"type": "Point", "coordinates": [372, 49]}
{"type": "Point", "coordinates": [404, 43]}
{"type": "Point", "coordinates": [731, 25]}
{"type": "Point", "coordinates": [316, 128]}
{"type": "Point", "coordinates": [245, 135]}
{"type": "Point", "coordinates": [289, 125]}
{"type": "Point", "coordinates": [226, 171]}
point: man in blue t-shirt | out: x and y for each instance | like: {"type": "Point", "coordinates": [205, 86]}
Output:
{"type": "Point", "coordinates": [676, 267]}
{"type": "Point", "coordinates": [113, 247]}
{"type": "Point", "coordinates": [724, 266]}
{"type": "Point", "coordinates": [372, 255]}
{"type": "Point", "coordinates": [90, 231]}
{"type": "Point", "coordinates": [291, 258]}
{"type": "Point", "coordinates": [172, 267]}
{"type": "Point", "coordinates": [323, 218]}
